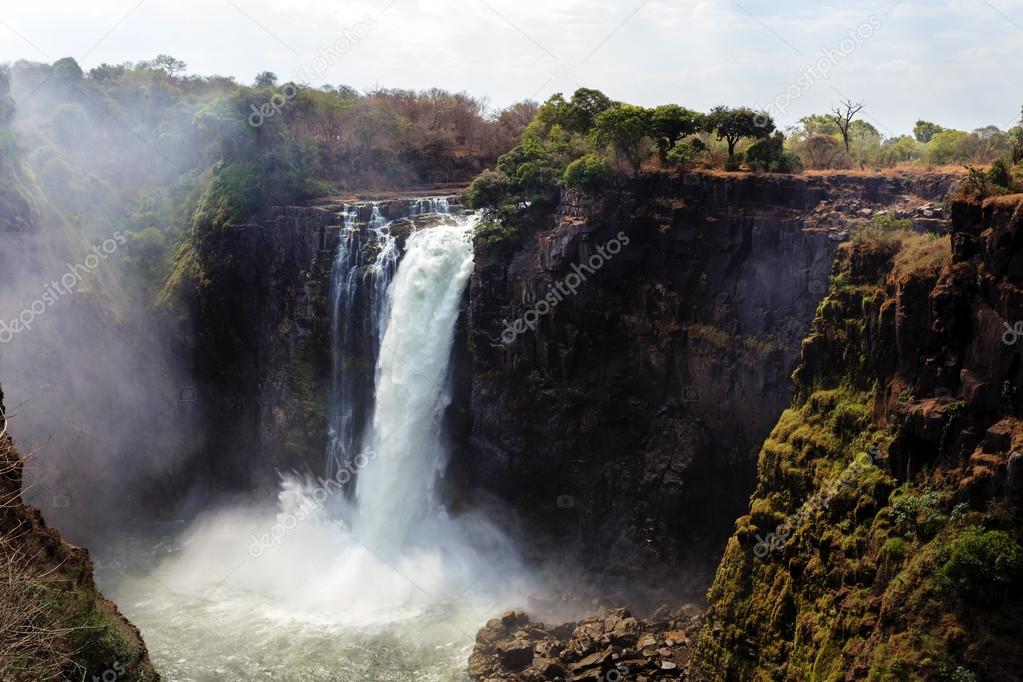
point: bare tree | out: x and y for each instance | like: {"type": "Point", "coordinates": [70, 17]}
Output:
{"type": "Point", "coordinates": [844, 118]}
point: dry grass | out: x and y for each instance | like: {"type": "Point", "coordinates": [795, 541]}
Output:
{"type": "Point", "coordinates": [922, 255]}
{"type": "Point", "coordinates": [32, 645]}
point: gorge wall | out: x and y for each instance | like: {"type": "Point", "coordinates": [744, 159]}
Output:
{"type": "Point", "coordinates": [882, 541]}
{"type": "Point", "coordinates": [627, 423]}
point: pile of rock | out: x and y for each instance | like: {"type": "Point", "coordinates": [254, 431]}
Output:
{"type": "Point", "coordinates": [609, 646]}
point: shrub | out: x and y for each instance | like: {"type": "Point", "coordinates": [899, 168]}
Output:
{"type": "Point", "coordinates": [734, 163]}
{"type": "Point", "coordinates": [919, 515]}
{"type": "Point", "coordinates": [1000, 174]}
{"type": "Point", "coordinates": [981, 565]}
{"type": "Point", "coordinates": [686, 152]}
{"type": "Point", "coordinates": [979, 561]}
{"type": "Point", "coordinates": [588, 173]}
{"type": "Point", "coordinates": [490, 188]}
{"type": "Point", "coordinates": [886, 222]}
{"type": "Point", "coordinates": [769, 155]}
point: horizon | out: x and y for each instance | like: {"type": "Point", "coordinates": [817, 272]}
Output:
{"type": "Point", "coordinates": [787, 58]}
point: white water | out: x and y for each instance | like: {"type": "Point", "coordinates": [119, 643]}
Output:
{"type": "Point", "coordinates": [392, 589]}
{"type": "Point", "coordinates": [395, 490]}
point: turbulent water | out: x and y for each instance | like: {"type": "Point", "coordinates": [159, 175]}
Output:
{"type": "Point", "coordinates": [317, 587]}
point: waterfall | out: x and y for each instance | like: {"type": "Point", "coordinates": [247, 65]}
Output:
{"type": "Point", "coordinates": [395, 489]}
{"type": "Point", "coordinates": [365, 264]}
{"type": "Point", "coordinates": [318, 584]}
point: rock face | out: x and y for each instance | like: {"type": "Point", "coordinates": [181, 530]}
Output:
{"type": "Point", "coordinates": [906, 433]}
{"type": "Point", "coordinates": [75, 633]}
{"type": "Point", "coordinates": [612, 645]}
{"type": "Point", "coordinates": [626, 415]}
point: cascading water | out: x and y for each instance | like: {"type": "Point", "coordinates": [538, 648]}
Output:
{"type": "Point", "coordinates": [395, 488]}
{"type": "Point", "coordinates": [383, 587]}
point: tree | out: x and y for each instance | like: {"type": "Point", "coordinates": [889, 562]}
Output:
{"type": "Point", "coordinates": [768, 154]}
{"type": "Point", "coordinates": [266, 79]}
{"type": "Point", "coordinates": [923, 131]}
{"type": "Point", "coordinates": [623, 127]}
{"type": "Point", "coordinates": [732, 125]}
{"type": "Point", "coordinates": [1017, 140]}
{"type": "Point", "coordinates": [670, 123]}
{"type": "Point", "coordinates": [584, 107]}
{"type": "Point", "coordinates": [821, 150]}
{"type": "Point", "coordinates": [169, 64]}
{"type": "Point", "coordinates": [67, 69]}
{"type": "Point", "coordinates": [843, 116]}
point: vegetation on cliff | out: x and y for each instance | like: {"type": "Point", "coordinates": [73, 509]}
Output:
{"type": "Point", "coordinates": [54, 623]}
{"type": "Point", "coordinates": [910, 566]}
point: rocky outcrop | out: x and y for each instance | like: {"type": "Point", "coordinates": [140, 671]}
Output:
{"type": "Point", "coordinates": [612, 645]}
{"type": "Point", "coordinates": [55, 623]}
{"type": "Point", "coordinates": [620, 407]}
{"type": "Point", "coordinates": [883, 539]}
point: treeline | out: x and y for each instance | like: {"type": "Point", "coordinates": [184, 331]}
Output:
{"type": "Point", "coordinates": [156, 153]}
{"type": "Point", "coordinates": [586, 140]}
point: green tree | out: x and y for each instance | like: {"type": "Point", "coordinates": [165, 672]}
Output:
{"type": "Point", "coordinates": [67, 69]}
{"type": "Point", "coordinates": [623, 128]}
{"type": "Point", "coordinates": [923, 131]}
{"type": "Point", "coordinates": [945, 147]}
{"type": "Point", "coordinates": [669, 123]}
{"type": "Point", "coordinates": [266, 79]}
{"type": "Point", "coordinates": [588, 173]}
{"type": "Point", "coordinates": [733, 125]}
{"type": "Point", "coordinates": [169, 64]}
{"type": "Point", "coordinates": [584, 107]}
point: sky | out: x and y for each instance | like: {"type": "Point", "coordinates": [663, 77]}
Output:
{"type": "Point", "coordinates": [947, 61]}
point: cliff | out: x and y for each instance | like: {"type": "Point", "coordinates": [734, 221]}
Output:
{"type": "Point", "coordinates": [54, 622]}
{"type": "Point", "coordinates": [622, 417]}
{"type": "Point", "coordinates": [882, 541]}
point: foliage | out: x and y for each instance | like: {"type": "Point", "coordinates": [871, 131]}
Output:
{"type": "Point", "coordinates": [623, 128]}
{"type": "Point", "coordinates": [981, 565]}
{"type": "Point", "coordinates": [670, 123]}
{"type": "Point", "coordinates": [686, 152]}
{"type": "Point", "coordinates": [923, 131]}
{"type": "Point", "coordinates": [920, 515]}
{"type": "Point", "coordinates": [769, 155]}
{"type": "Point", "coordinates": [886, 222]}
{"type": "Point", "coordinates": [733, 125]}
{"type": "Point", "coordinates": [588, 173]}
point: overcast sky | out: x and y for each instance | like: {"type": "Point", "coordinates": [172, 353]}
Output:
{"type": "Point", "coordinates": [956, 62]}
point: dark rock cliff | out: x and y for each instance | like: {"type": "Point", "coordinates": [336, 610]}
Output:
{"type": "Point", "coordinates": [627, 423]}
{"type": "Point", "coordinates": [883, 538]}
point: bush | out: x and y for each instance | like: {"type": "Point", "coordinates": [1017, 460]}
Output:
{"type": "Point", "coordinates": [886, 222]}
{"type": "Point", "coordinates": [491, 188]}
{"type": "Point", "coordinates": [588, 173]}
{"type": "Point", "coordinates": [686, 152]}
{"type": "Point", "coordinates": [769, 155]}
{"type": "Point", "coordinates": [734, 163]}
{"type": "Point", "coordinates": [981, 565]}
{"type": "Point", "coordinates": [1000, 174]}
{"type": "Point", "coordinates": [919, 515]}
